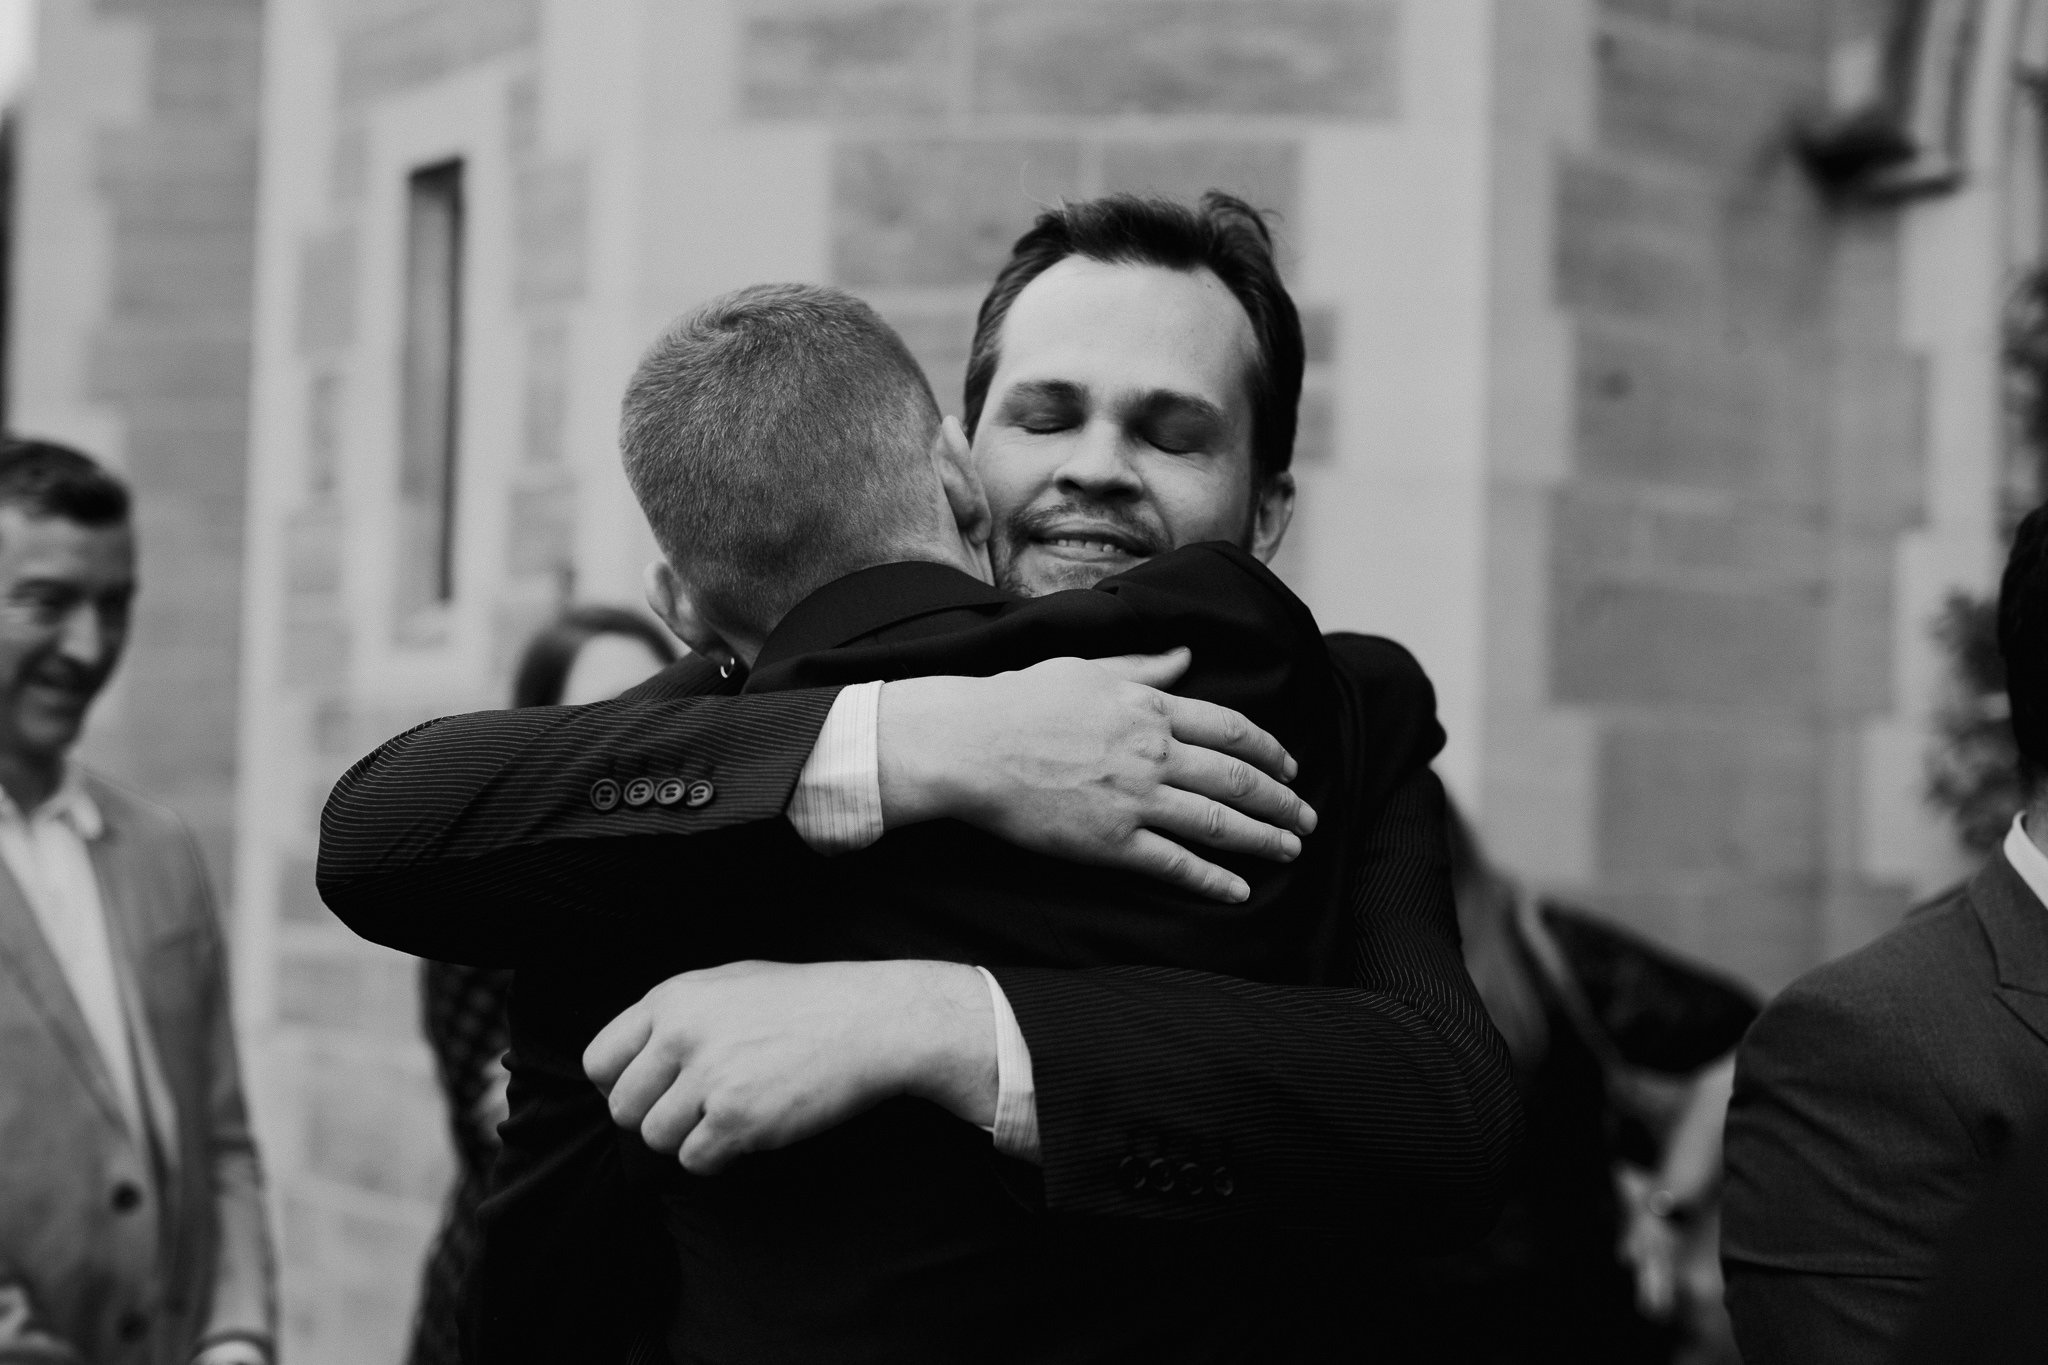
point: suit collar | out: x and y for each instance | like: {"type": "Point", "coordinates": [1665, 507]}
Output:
{"type": "Point", "coordinates": [2016, 924]}
{"type": "Point", "coordinates": [869, 600]}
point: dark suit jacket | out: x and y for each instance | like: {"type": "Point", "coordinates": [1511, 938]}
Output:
{"type": "Point", "coordinates": [1986, 1306]}
{"type": "Point", "coordinates": [1378, 1104]}
{"type": "Point", "coordinates": [1871, 1100]}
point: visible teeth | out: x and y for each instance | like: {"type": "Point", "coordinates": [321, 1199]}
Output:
{"type": "Point", "coordinates": [1075, 543]}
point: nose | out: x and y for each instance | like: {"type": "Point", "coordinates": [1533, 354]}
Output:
{"type": "Point", "coordinates": [1098, 464]}
{"type": "Point", "coordinates": [86, 638]}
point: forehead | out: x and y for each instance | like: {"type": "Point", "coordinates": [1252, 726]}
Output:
{"type": "Point", "coordinates": [1129, 328]}
{"type": "Point", "coordinates": [59, 545]}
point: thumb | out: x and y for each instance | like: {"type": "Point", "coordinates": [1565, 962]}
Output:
{"type": "Point", "coordinates": [1153, 670]}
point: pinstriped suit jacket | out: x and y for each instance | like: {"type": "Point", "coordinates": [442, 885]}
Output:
{"type": "Point", "coordinates": [1378, 1106]}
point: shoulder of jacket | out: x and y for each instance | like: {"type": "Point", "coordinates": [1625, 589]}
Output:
{"type": "Point", "coordinates": [135, 815]}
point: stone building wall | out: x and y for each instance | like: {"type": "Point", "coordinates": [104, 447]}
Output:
{"type": "Point", "coordinates": [1609, 417]}
{"type": "Point", "coordinates": [131, 319]}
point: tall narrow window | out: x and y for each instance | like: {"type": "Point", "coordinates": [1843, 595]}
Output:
{"type": "Point", "coordinates": [430, 400]}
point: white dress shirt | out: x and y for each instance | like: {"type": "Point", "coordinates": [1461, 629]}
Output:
{"type": "Point", "coordinates": [45, 851]}
{"type": "Point", "coordinates": [837, 808]}
{"type": "Point", "coordinates": [2028, 861]}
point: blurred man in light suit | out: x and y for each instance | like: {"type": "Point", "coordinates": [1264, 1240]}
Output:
{"type": "Point", "coordinates": [132, 1228]}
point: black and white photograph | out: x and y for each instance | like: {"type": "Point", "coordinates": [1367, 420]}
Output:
{"type": "Point", "coordinates": [1023, 682]}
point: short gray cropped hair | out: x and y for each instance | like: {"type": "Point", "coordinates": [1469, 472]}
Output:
{"type": "Point", "coordinates": [777, 438]}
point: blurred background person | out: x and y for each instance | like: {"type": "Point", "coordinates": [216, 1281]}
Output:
{"type": "Point", "coordinates": [1608, 1251]}
{"type": "Point", "coordinates": [588, 654]}
{"type": "Point", "coordinates": [132, 1225]}
{"type": "Point", "coordinates": [1878, 1094]}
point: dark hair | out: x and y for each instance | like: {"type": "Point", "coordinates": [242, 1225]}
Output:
{"type": "Point", "coordinates": [45, 479]}
{"type": "Point", "coordinates": [2023, 643]}
{"type": "Point", "coordinates": [777, 438]}
{"type": "Point", "coordinates": [1224, 236]}
{"type": "Point", "coordinates": [551, 654]}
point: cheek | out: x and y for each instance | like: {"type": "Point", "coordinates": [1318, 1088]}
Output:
{"type": "Point", "coordinates": [1012, 475]}
{"type": "Point", "coordinates": [1201, 502]}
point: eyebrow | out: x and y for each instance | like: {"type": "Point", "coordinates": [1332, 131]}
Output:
{"type": "Point", "coordinates": [1149, 404]}
{"type": "Point", "coordinates": [1043, 390]}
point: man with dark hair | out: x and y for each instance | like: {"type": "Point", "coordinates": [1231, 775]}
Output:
{"type": "Point", "coordinates": [1876, 1095]}
{"type": "Point", "coordinates": [1118, 421]}
{"type": "Point", "coordinates": [131, 1215]}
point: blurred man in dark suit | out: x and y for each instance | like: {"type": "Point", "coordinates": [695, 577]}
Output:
{"type": "Point", "coordinates": [1875, 1095]}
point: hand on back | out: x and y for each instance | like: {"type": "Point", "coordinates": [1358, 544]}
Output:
{"type": "Point", "coordinates": [1093, 761]}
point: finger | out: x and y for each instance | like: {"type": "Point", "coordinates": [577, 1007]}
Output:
{"type": "Point", "coordinates": [714, 1144]}
{"type": "Point", "coordinates": [1157, 856]}
{"type": "Point", "coordinates": [616, 1044]}
{"type": "Point", "coordinates": [1199, 820]}
{"type": "Point", "coordinates": [1153, 670]}
{"type": "Point", "coordinates": [642, 1084]}
{"type": "Point", "coordinates": [674, 1114]}
{"type": "Point", "coordinates": [1226, 731]}
{"type": "Point", "coordinates": [1236, 784]}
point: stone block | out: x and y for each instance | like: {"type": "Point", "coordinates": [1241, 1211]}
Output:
{"type": "Point", "coordinates": [1793, 28]}
{"type": "Point", "coordinates": [812, 60]}
{"type": "Point", "coordinates": [522, 117]}
{"type": "Point", "coordinates": [180, 272]}
{"type": "Point", "coordinates": [1319, 324]}
{"type": "Point", "coordinates": [178, 173]}
{"type": "Point", "coordinates": [128, 363]}
{"type": "Point", "coordinates": [314, 548]}
{"type": "Point", "coordinates": [351, 988]}
{"type": "Point", "coordinates": [207, 64]}
{"type": "Point", "coordinates": [1265, 174]}
{"type": "Point", "coordinates": [1332, 59]}
{"type": "Point", "coordinates": [317, 647]}
{"type": "Point", "coordinates": [407, 46]}
{"type": "Point", "coordinates": [1704, 104]}
{"type": "Point", "coordinates": [376, 1123]}
{"type": "Point", "coordinates": [1679, 800]}
{"type": "Point", "coordinates": [327, 291]}
{"type": "Point", "coordinates": [941, 342]}
{"type": "Point", "coordinates": [193, 452]}
{"type": "Point", "coordinates": [1880, 432]}
{"type": "Point", "coordinates": [1315, 429]}
{"type": "Point", "coordinates": [541, 531]}
{"type": "Point", "coordinates": [1709, 412]}
{"type": "Point", "coordinates": [348, 165]}
{"type": "Point", "coordinates": [298, 897]}
{"type": "Point", "coordinates": [551, 232]}
{"type": "Point", "coordinates": [924, 212]}
{"type": "Point", "coordinates": [1654, 645]}
{"type": "Point", "coordinates": [326, 392]}
{"type": "Point", "coordinates": [545, 411]}
{"type": "Point", "coordinates": [1595, 189]}
{"type": "Point", "coordinates": [348, 1277]}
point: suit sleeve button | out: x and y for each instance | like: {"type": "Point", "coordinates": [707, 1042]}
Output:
{"type": "Point", "coordinates": [669, 791]}
{"type": "Point", "coordinates": [1158, 1175]}
{"type": "Point", "coordinates": [1132, 1172]}
{"type": "Point", "coordinates": [127, 1196]}
{"type": "Point", "coordinates": [604, 793]}
{"type": "Point", "coordinates": [1191, 1178]}
{"type": "Point", "coordinates": [1221, 1182]}
{"type": "Point", "coordinates": [700, 794]}
{"type": "Point", "coordinates": [639, 791]}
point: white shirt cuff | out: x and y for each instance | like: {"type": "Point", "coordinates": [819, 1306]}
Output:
{"type": "Point", "coordinates": [1016, 1127]}
{"type": "Point", "coordinates": [837, 806]}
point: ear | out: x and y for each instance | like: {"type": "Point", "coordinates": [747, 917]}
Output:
{"type": "Point", "coordinates": [1272, 509]}
{"type": "Point", "coordinates": [964, 493]}
{"type": "Point", "coordinates": [669, 598]}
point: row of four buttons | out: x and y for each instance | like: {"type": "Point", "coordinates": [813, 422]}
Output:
{"type": "Point", "coordinates": [606, 792]}
{"type": "Point", "coordinates": [1189, 1178]}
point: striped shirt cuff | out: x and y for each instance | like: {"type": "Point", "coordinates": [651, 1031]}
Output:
{"type": "Point", "coordinates": [837, 807]}
{"type": "Point", "coordinates": [1016, 1127]}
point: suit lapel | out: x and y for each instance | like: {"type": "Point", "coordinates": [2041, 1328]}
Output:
{"type": "Point", "coordinates": [2016, 923]}
{"type": "Point", "coordinates": [27, 956]}
{"type": "Point", "coordinates": [129, 931]}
